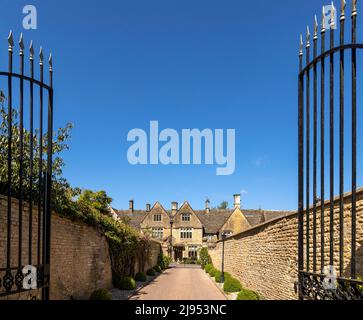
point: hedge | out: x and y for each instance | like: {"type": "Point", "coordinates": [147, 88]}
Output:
{"type": "Point", "coordinates": [124, 283]}
{"type": "Point", "coordinates": [246, 294]}
{"type": "Point", "coordinates": [212, 272]}
{"type": "Point", "coordinates": [141, 277]}
{"type": "Point", "coordinates": [101, 294]}
{"type": "Point", "coordinates": [218, 276]}
{"type": "Point", "coordinates": [157, 269]}
{"type": "Point", "coordinates": [232, 285]}
{"type": "Point", "coordinates": [208, 267]}
{"type": "Point", "coordinates": [204, 257]}
{"type": "Point", "coordinates": [150, 272]}
{"type": "Point", "coordinates": [163, 261]}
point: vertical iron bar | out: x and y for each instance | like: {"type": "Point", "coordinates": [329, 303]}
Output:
{"type": "Point", "coordinates": [21, 128]}
{"type": "Point", "coordinates": [322, 149]}
{"type": "Point", "coordinates": [315, 145]}
{"type": "Point", "coordinates": [222, 277]}
{"type": "Point", "coordinates": [48, 209]}
{"type": "Point", "coordinates": [31, 153]}
{"type": "Point", "coordinates": [44, 231]}
{"type": "Point", "coordinates": [301, 171]}
{"type": "Point", "coordinates": [341, 150]}
{"type": "Point", "coordinates": [10, 111]}
{"type": "Point", "coordinates": [40, 172]}
{"type": "Point", "coordinates": [331, 85]}
{"type": "Point", "coordinates": [354, 142]}
{"type": "Point", "coordinates": [308, 155]}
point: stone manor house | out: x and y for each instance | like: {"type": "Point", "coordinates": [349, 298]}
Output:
{"type": "Point", "coordinates": [186, 230]}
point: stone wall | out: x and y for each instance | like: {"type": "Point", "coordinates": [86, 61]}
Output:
{"type": "Point", "coordinates": [150, 261]}
{"type": "Point", "coordinates": [264, 258]}
{"type": "Point", "coordinates": [80, 261]}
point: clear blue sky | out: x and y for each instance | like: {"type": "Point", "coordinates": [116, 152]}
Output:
{"type": "Point", "coordinates": [119, 64]}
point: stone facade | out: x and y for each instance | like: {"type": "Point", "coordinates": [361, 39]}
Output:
{"type": "Point", "coordinates": [188, 230]}
{"type": "Point", "coordinates": [264, 258]}
{"type": "Point", "coordinates": [235, 224]}
{"type": "Point", "coordinates": [186, 219]}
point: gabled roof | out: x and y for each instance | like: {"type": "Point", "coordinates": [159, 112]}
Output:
{"type": "Point", "coordinates": [256, 217]}
{"type": "Point", "coordinates": [134, 219]}
{"type": "Point", "coordinates": [156, 208]}
{"type": "Point", "coordinates": [214, 220]}
{"type": "Point", "coordinates": [186, 207]}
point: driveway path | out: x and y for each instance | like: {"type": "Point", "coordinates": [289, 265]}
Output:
{"type": "Point", "coordinates": [180, 283]}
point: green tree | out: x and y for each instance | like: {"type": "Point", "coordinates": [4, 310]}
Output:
{"type": "Point", "coordinates": [87, 206]}
{"type": "Point", "coordinates": [60, 187]}
{"type": "Point", "coordinates": [223, 205]}
{"type": "Point", "coordinates": [97, 199]}
{"type": "Point", "coordinates": [204, 257]}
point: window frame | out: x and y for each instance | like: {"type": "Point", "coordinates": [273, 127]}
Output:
{"type": "Point", "coordinates": [157, 233]}
{"type": "Point", "coordinates": [186, 217]}
{"type": "Point", "coordinates": [186, 233]}
{"type": "Point", "coordinates": [193, 252]}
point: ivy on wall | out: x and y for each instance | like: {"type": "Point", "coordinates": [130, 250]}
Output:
{"type": "Point", "coordinates": [86, 206]}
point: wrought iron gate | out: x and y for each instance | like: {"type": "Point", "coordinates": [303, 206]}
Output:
{"type": "Point", "coordinates": [27, 182]}
{"type": "Point", "coordinates": [325, 271]}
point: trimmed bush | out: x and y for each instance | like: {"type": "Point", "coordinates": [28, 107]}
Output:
{"type": "Point", "coordinates": [218, 276]}
{"type": "Point", "coordinates": [157, 269]}
{"type": "Point", "coordinates": [205, 258]}
{"type": "Point", "coordinates": [125, 283]}
{"type": "Point", "coordinates": [360, 287]}
{"type": "Point", "coordinates": [190, 260]}
{"type": "Point", "coordinates": [163, 261]}
{"type": "Point", "coordinates": [246, 294]}
{"type": "Point", "coordinates": [212, 272]}
{"type": "Point", "coordinates": [141, 277]}
{"type": "Point", "coordinates": [208, 267]}
{"type": "Point", "coordinates": [232, 285]}
{"type": "Point", "coordinates": [150, 272]}
{"type": "Point", "coordinates": [101, 294]}
{"type": "Point", "coordinates": [167, 261]}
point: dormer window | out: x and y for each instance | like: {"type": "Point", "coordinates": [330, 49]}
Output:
{"type": "Point", "coordinates": [157, 217]}
{"type": "Point", "coordinates": [185, 217]}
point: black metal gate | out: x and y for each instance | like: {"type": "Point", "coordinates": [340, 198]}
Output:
{"type": "Point", "coordinates": [26, 184]}
{"type": "Point", "coordinates": [327, 244]}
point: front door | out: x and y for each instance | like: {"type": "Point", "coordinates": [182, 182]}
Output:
{"type": "Point", "coordinates": [178, 254]}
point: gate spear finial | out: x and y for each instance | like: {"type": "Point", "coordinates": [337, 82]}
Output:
{"type": "Point", "coordinates": [342, 9]}
{"type": "Point", "coordinates": [354, 8]}
{"type": "Point", "coordinates": [307, 37]}
{"type": "Point", "coordinates": [301, 45]}
{"type": "Point", "coordinates": [316, 26]}
{"type": "Point", "coordinates": [332, 16]}
{"type": "Point", "coordinates": [50, 61]}
{"type": "Point", "coordinates": [21, 44]}
{"type": "Point", "coordinates": [323, 21]}
{"type": "Point", "coordinates": [31, 50]}
{"type": "Point", "coordinates": [11, 41]}
{"type": "Point", "coordinates": [41, 57]}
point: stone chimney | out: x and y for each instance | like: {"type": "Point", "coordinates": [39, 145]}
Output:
{"type": "Point", "coordinates": [174, 208]}
{"type": "Point", "coordinates": [131, 206]}
{"type": "Point", "coordinates": [207, 206]}
{"type": "Point", "coordinates": [148, 207]}
{"type": "Point", "coordinates": [237, 201]}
